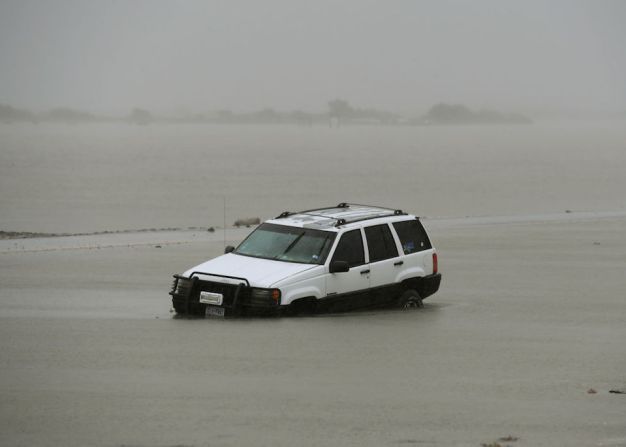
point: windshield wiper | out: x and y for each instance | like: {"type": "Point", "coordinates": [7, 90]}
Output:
{"type": "Point", "coordinates": [319, 253]}
{"type": "Point", "coordinates": [293, 243]}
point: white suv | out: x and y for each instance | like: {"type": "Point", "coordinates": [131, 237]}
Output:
{"type": "Point", "coordinates": [329, 259]}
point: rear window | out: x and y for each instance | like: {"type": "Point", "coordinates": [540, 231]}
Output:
{"type": "Point", "coordinates": [412, 236]}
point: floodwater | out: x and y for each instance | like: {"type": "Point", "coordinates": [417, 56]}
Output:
{"type": "Point", "coordinates": [530, 316]}
{"type": "Point", "coordinates": [529, 319]}
{"type": "Point", "coordinates": [66, 179]}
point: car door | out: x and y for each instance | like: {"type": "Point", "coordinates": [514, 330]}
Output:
{"type": "Point", "coordinates": [346, 290]}
{"type": "Point", "coordinates": [384, 261]}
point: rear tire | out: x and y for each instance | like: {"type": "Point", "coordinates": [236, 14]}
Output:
{"type": "Point", "coordinates": [409, 299]}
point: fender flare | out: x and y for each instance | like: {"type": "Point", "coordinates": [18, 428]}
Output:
{"type": "Point", "coordinates": [299, 293]}
{"type": "Point", "coordinates": [414, 273]}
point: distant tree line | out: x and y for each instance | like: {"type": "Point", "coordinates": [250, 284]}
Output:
{"type": "Point", "coordinates": [460, 114]}
{"type": "Point", "coordinates": [340, 112]}
{"type": "Point", "coordinates": [67, 115]}
{"type": "Point", "coordinates": [9, 114]}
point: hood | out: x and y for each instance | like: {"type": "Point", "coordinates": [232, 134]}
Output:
{"type": "Point", "coordinates": [259, 272]}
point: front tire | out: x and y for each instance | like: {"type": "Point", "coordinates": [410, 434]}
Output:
{"type": "Point", "coordinates": [303, 306]}
{"type": "Point", "coordinates": [409, 299]}
{"type": "Point", "coordinates": [188, 309]}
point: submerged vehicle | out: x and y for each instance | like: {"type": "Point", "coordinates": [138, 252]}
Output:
{"type": "Point", "coordinates": [338, 258]}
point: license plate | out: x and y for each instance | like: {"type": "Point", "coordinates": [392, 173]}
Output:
{"type": "Point", "coordinates": [214, 311]}
{"type": "Point", "coordinates": [211, 298]}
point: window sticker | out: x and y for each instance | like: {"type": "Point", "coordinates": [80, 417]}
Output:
{"type": "Point", "coordinates": [408, 247]}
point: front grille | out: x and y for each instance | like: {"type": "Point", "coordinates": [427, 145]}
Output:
{"type": "Point", "coordinates": [186, 297]}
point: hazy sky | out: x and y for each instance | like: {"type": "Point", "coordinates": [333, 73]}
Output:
{"type": "Point", "coordinates": [245, 55]}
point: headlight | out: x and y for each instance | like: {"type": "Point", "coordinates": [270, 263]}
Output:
{"type": "Point", "coordinates": [269, 294]}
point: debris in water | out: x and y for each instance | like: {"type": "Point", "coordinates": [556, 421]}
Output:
{"type": "Point", "coordinates": [157, 246]}
{"type": "Point", "coordinates": [568, 211]}
{"type": "Point", "coordinates": [508, 438]}
{"type": "Point", "coordinates": [591, 391]}
{"type": "Point", "coordinates": [247, 221]}
{"type": "Point", "coordinates": [617, 391]}
{"type": "Point", "coordinates": [211, 229]}
{"type": "Point", "coordinates": [596, 243]}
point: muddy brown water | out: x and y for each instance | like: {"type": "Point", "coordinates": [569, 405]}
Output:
{"type": "Point", "coordinates": [530, 315]}
{"type": "Point", "coordinates": [103, 177]}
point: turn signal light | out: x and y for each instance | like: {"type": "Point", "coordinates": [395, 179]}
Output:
{"type": "Point", "coordinates": [276, 295]}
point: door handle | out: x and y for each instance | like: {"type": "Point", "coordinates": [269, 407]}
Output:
{"type": "Point", "coordinates": [365, 272]}
{"type": "Point", "coordinates": [398, 263]}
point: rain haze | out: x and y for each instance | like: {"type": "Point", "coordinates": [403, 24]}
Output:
{"type": "Point", "coordinates": [140, 138]}
{"type": "Point", "coordinates": [402, 56]}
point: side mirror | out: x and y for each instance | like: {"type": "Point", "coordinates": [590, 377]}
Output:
{"type": "Point", "coordinates": [228, 249]}
{"type": "Point", "coordinates": [339, 267]}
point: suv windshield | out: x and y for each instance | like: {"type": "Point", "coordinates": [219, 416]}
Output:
{"type": "Point", "coordinates": [291, 244]}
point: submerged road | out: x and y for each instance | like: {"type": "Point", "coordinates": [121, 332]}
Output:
{"type": "Point", "coordinates": [130, 238]}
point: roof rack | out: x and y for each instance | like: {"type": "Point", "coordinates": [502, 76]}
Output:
{"type": "Point", "coordinates": [291, 213]}
{"type": "Point", "coordinates": [348, 205]}
{"type": "Point", "coordinates": [342, 221]}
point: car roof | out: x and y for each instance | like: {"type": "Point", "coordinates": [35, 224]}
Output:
{"type": "Point", "coordinates": [338, 217]}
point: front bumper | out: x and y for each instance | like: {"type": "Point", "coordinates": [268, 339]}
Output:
{"type": "Point", "coordinates": [237, 296]}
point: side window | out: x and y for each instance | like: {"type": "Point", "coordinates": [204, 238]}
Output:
{"type": "Point", "coordinates": [412, 236]}
{"type": "Point", "coordinates": [380, 243]}
{"type": "Point", "coordinates": [350, 249]}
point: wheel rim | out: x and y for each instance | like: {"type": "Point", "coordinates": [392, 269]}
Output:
{"type": "Point", "coordinates": [411, 304]}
